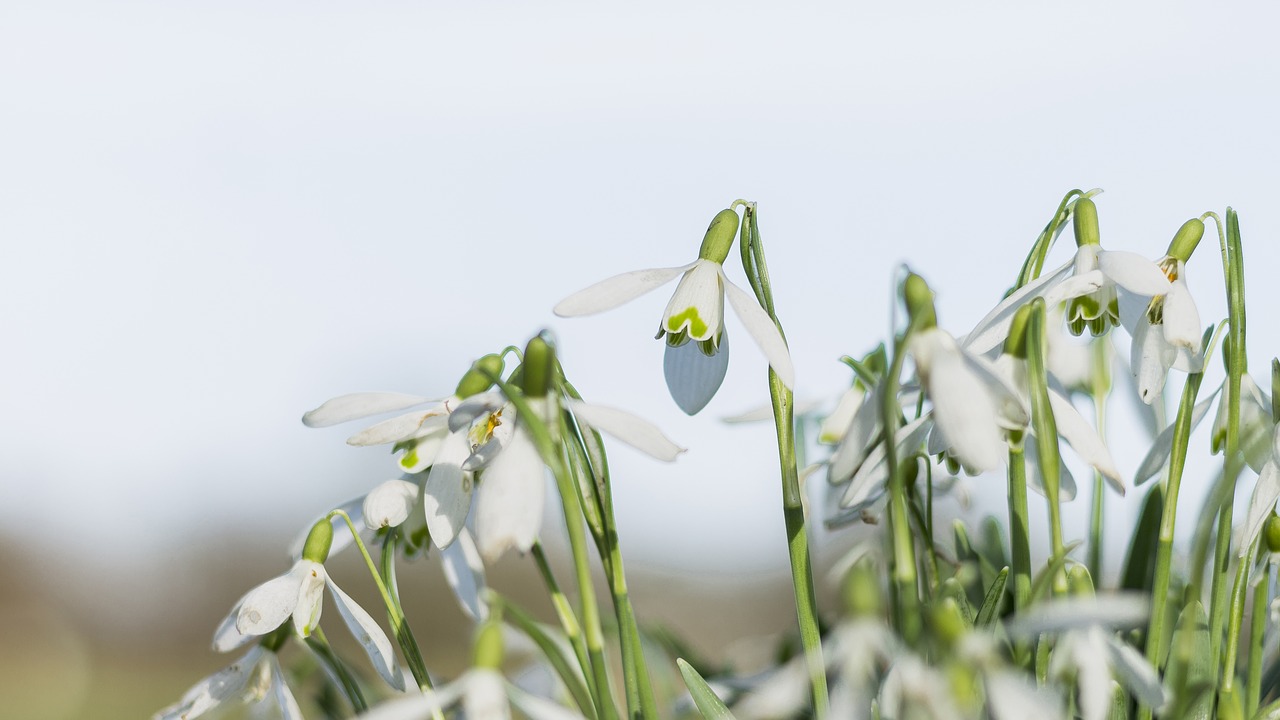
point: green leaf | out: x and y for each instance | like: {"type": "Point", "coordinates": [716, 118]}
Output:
{"type": "Point", "coordinates": [1140, 564]}
{"type": "Point", "coordinates": [991, 605]}
{"type": "Point", "coordinates": [556, 653]}
{"type": "Point", "coordinates": [1191, 671]}
{"type": "Point", "coordinates": [1043, 580]}
{"type": "Point", "coordinates": [708, 704]}
{"type": "Point", "coordinates": [951, 588]}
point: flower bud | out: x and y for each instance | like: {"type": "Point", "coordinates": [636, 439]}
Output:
{"type": "Point", "coordinates": [488, 647]}
{"type": "Point", "coordinates": [1185, 240]}
{"type": "Point", "coordinates": [1271, 534]}
{"type": "Point", "coordinates": [1079, 582]}
{"type": "Point", "coordinates": [539, 365]}
{"type": "Point", "coordinates": [948, 621]}
{"type": "Point", "coordinates": [719, 237]}
{"type": "Point", "coordinates": [862, 591]}
{"type": "Point", "coordinates": [318, 542]}
{"type": "Point", "coordinates": [477, 379]}
{"type": "Point", "coordinates": [1084, 220]}
{"type": "Point", "coordinates": [919, 299]}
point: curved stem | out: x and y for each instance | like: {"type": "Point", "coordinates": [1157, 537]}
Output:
{"type": "Point", "coordinates": [319, 644]}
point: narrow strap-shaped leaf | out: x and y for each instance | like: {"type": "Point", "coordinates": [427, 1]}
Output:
{"type": "Point", "coordinates": [991, 605]}
{"type": "Point", "coordinates": [1139, 565]}
{"type": "Point", "coordinates": [711, 707]}
{"type": "Point", "coordinates": [951, 588]}
{"type": "Point", "coordinates": [1190, 672]}
{"type": "Point", "coordinates": [555, 653]}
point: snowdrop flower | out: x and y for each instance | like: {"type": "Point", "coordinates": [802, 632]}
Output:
{"type": "Point", "coordinates": [298, 594]}
{"type": "Point", "coordinates": [1089, 280]}
{"type": "Point", "coordinates": [1256, 425]}
{"type": "Point", "coordinates": [249, 679]}
{"type": "Point", "coordinates": [512, 490]}
{"type": "Point", "coordinates": [1167, 332]}
{"type": "Point", "coordinates": [1265, 494]}
{"type": "Point", "coordinates": [693, 323]}
{"type": "Point", "coordinates": [915, 691]}
{"type": "Point", "coordinates": [426, 440]}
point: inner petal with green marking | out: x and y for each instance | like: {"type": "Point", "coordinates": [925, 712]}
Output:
{"type": "Point", "coordinates": [689, 318]}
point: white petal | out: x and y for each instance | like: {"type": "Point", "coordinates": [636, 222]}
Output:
{"type": "Point", "coordinates": [446, 496]}
{"type": "Point", "coordinates": [692, 377]}
{"type": "Point", "coordinates": [697, 306]}
{"type": "Point", "coordinates": [473, 407]}
{"type": "Point", "coordinates": [1093, 676]}
{"type": "Point", "coordinates": [615, 291]}
{"type": "Point", "coordinates": [963, 409]}
{"type": "Point", "coordinates": [226, 684]}
{"type": "Point", "coordinates": [288, 705]}
{"type": "Point", "coordinates": [1181, 319]}
{"type": "Point", "coordinates": [414, 706]}
{"type": "Point", "coordinates": [389, 504]}
{"type": "Point", "coordinates": [1158, 455]}
{"type": "Point", "coordinates": [1074, 287]}
{"type": "Point", "coordinates": [538, 708]}
{"type": "Point", "coordinates": [763, 330]}
{"type": "Point", "coordinates": [267, 606]}
{"type": "Point", "coordinates": [399, 428]}
{"type": "Point", "coordinates": [1133, 272]}
{"type": "Point", "coordinates": [423, 453]}
{"type": "Point", "coordinates": [1133, 672]}
{"type": "Point", "coordinates": [868, 483]}
{"type": "Point", "coordinates": [639, 434]}
{"type": "Point", "coordinates": [1150, 359]}
{"type": "Point", "coordinates": [227, 637]}
{"type": "Point", "coordinates": [1035, 478]}
{"type": "Point", "coordinates": [1265, 494]}
{"type": "Point", "coordinates": [464, 571]}
{"type": "Point", "coordinates": [1120, 611]}
{"type": "Point", "coordinates": [306, 615]}
{"type": "Point", "coordinates": [1011, 697]}
{"type": "Point", "coordinates": [358, 405]}
{"type": "Point", "coordinates": [861, 433]}
{"type": "Point", "coordinates": [1084, 440]}
{"type": "Point", "coordinates": [994, 328]}
{"type": "Point", "coordinates": [837, 423]}
{"type": "Point", "coordinates": [370, 636]}
{"type": "Point", "coordinates": [484, 696]}
{"type": "Point", "coordinates": [512, 494]}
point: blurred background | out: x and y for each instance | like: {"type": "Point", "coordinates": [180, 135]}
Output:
{"type": "Point", "coordinates": [215, 216]}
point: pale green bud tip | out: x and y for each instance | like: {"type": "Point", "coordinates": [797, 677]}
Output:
{"type": "Point", "coordinates": [477, 379]}
{"type": "Point", "coordinates": [919, 299]}
{"type": "Point", "coordinates": [862, 591]}
{"type": "Point", "coordinates": [1084, 220]}
{"type": "Point", "coordinates": [719, 237]}
{"type": "Point", "coordinates": [1079, 582]}
{"type": "Point", "coordinates": [1186, 239]}
{"type": "Point", "coordinates": [488, 647]}
{"type": "Point", "coordinates": [318, 542]}
{"type": "Point", "coordinates": [1271, 534]}
{"type": "Point", "coordinates": [1016, 343]}
{"type": "Point", "coordinates": [539, 364]}
{"type": "Point", "coordinates": [948, 621]}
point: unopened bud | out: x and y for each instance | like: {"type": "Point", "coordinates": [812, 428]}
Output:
{"type": "Point", "coordinates": [319, 540]}
{"type": "Point", "coordinates": [919, 299]}
{"type": "Point", "coordinates": [719, 237]}
{"type": "Point", "coordinates": [539, 365]}
{"type": "Point", "coordinates": [862, 596]}
{"type": "Point", "coordinates": [1271, 534]}
{"type": "Point", "coordinates": [488, 646]}
{"type": "Point", "coordinates": [948, 621]}
{"type": "Point", "coordinates": [1084, 220]}
{"type": "Point", "coordinates": [1186, 239]}
{"type": "Point", "coordinates": [477, 379]}
{"type": "Point", "coordinates": [1079, 582]}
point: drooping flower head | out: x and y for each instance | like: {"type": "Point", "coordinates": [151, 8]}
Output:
{"type": "Point", "coordinates": [693, 323]}
{"type": "Point", "coordinates": [1167, 331]}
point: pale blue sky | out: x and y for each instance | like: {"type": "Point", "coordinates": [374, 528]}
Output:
{"type": "Point", "coordinates": [216, 216]}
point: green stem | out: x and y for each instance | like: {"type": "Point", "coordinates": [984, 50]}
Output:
{"type": "Point", "coordinates": [1019, 530]}
{"type": "Point", "coordinates": [905, 584]}
{"type": "Point", "coordinates": [1164, 542]}
{"type": "Point", "coordinates": [1236, 618]}
{"type": "Point", "coordinates": [1257, 629]}
{"type": "Point", "coordinates": [564, 612]}
{"type": "Point", "coordinates": [320, 645]}
{"type": "Point", "coordinates": [1040, 249]}
{"type": "Point", "coordinates": [1046, 430]}
{"type": "Point", "coordinates": [1099, 389]}
{"type": "Point", "coordinates": [753, 263]}
{"type": "Point", "coordinates": [399, 624]}
{"type": "Point", "coordinates": [575, 682]}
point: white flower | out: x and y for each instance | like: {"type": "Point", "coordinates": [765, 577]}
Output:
{"type": "Point", "coordinates": [512, 489]}
{"type": "Point", "coordinates": [1256, 425]}
{"type": "Point", "coordinates": [694, 370]}
{"type": "Point", "coordinates": [248, 679]}
{"type": "Point", "coordinates": [914, 690]}
{"type": "Point", "coordinates": [298, 594]}
{"type": "Point", "coordinates": [483, 695]}
{"type": "Point", "coordinates": [1265, 494]}
{"type": "Point", "coordinates": [1091, 278]}
{"type": "Point", "coordinates": [1166, 332]}
{"type": "Point", "coordinates": [973, 407]}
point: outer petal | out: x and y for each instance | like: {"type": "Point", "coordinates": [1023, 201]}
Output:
{"type": "Point", "coordinates": [963, 409]}
{"type": "Point", "coordinates": [615, 291]}
{"type": "Point", "coordinates": [1074, 286]}
{"type": "Point", "coordinates": [359, 405]}
{"type": "Point", "coordinates": [370, 637]}
{"type": "Point", "coordinates": [697, 306]}
{"type": "Point", "coordinates": [538, 708]}
{"type": "Point", "coordinates": [423, 452]}
{"type": "Point", "coordinates": [868, 482]}
{"type": "Point", "coordinates": [446, 496]}
{"type": "Point", "coordinates": [1084, 440]}
{"type": "Point", "coordinates": [464, 571]}
{"type": "Point", "coordinates": [992, 329]}
{"type": "Point", "coordinates": [763, 330]}
{"type": "Point", "coordinates": [215, 689]}
{"type": "Point", "coordinates": [1011, 697]}
{"type": "Point", "coordinates": [227, 637]}
{"type": "Point", "coordinates": [310, 597]}
{"type": "Point", "coordinates": [1093, 676]}
{"type": "Point", "coordinates": [400, 427]}
{"type": "Point", "coordinates": [694, 378]}
{"type": "Point", "coordinates": [1133, 672]}
{"type": "Point", "coordinates": [1133, 272]}
{"type": "Point", "coordinates": [639, 434]}
{"type": "Point", "coordinates": [857, 438]}
{"type": "Point", "coordinates": [1158, 455]}
{"type": "Point", "coordinates": [389, 504]}
{"type": "Point", "coordinates": [271, 603]}
{"type": "Point", "coordinates": [1265, 494]}
{"type": "Point", "coordinates": [1181, 319]}
{"type": "Point", "coordinates": [473, 407]}
{"type": "Point", "coordinates": [1120, 611]}
{"type": "Point", "coordinates": [837, 423]}
{"type": "Point", "coordinates": [1035, 479]}
{"type": "Point", "coordinates": [1150, 358]}
{"type": "Point", "coordinates": [289, 709]}
{"type": "Point", "coordinates": [512, 494]}
{"type": "Point", "coordinates": [484, 695]}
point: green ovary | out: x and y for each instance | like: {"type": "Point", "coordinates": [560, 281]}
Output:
{"type": "Point", "coordinates": [697, 326]}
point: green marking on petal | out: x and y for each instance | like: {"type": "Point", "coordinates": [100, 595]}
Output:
{"type": "Point", "coordinates": [696, 325]}
{"type": "Point", "coordinates": [409, 459]}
